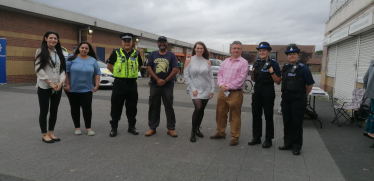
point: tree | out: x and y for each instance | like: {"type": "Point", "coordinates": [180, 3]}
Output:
{"type": "Point", "coordinates": [292, 44]}
{"type": "Point", "coordinates": [249, 57]}
{"type": "Point", "coordinates": [304, 57]}
{"type": "Point", "coordinates": [319, 52]}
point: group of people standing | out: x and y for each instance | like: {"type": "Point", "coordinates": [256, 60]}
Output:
{"type": "Point", "coordinates": [80, 74]}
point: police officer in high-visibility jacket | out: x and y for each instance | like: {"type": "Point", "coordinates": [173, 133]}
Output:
{"type": "Point", "coordinates": [297, 82]}
{"type": "Point", "coordinates": [124, 63]}
{"type": "Point", "coordinates": [265, 73]}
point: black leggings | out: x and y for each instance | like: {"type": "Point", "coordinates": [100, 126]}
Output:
{"type": "Point", "coordinates": [198, 114]}
{"type": "Point", "coordinates": [48, 101]}
{"type": "Point", "coordinates": [78, 100]}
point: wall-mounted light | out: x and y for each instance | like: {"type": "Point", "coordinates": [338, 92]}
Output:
{"type": "Point", "coordinates": [90, 31]}
{"type": "Point", "coordinates": [137, 40]}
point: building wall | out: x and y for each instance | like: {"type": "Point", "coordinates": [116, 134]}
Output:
{"type": "Point", "coordinates": [315, 68]}
{"type": "Point", "coordinates": [24, 37]}
{"type": "Point", "coordinates": [346, 13]}
{"type": "Point", "coordinates": [107, 40]}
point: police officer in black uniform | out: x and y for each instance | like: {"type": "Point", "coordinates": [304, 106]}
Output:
{"type": "Point", "coordinates": [124, 63]}
{"type": "Point", "coordinates": [265, 73]}
{"type": "Point", "coordinates": [297, 82]}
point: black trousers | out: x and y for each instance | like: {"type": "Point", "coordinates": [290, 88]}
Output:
{"type": "Point", "coordinates": [78, 101]}
{"type": "Point", "coordinates": [124, 93]}
{"type": "Point", "coordinates": [155, 95]}
{"type": "Point", "coordinates": [293, 107]}
{"type": "Point", "coordinates": [263, 99]}
{"type": "Point", "coordinates": [48, 101]}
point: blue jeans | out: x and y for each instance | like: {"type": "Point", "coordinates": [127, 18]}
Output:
{"type": "Point", "coordinates": [369, 121]}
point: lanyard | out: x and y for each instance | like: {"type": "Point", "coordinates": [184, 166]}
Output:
{"type": "Point", "coordinates": [55, 59]}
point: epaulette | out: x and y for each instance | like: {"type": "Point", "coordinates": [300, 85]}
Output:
{"type": "Point", "coordinates": [301, 65]}
{"type": "Point", "coordinates": [259, 59]}
{"type": "Point", "coordinates": [273, 60]}
{"type": "Point", "coordinates": [115, 49]}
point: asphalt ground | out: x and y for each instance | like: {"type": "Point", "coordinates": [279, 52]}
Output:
{"type": "Point", "coordinates": [331, 153]}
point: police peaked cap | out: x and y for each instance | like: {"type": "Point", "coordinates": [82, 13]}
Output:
{"type": "Point", "coordinates": [292, 49]}
{"type": "Point", "coordinates": [264, 45]}
{"type": "Point", "coordinates": [126, 36]}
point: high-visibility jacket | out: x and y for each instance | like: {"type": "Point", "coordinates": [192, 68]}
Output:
{"type": "Point", "coordinates": [126, 67]}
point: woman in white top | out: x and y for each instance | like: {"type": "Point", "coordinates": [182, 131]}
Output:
{"type": "Point", "coordinates": [199, 78]}
{"type": "Point", "coordinates": [50, 71]}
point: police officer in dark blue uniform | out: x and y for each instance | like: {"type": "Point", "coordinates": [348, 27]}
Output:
{"type": "Point", "coordinates": [297, 82]}
{"type": "Point", "coordinates": [265, 73]}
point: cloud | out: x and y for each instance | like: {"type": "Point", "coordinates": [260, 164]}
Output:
{"type": "Point", "coordinates": [215, 22]}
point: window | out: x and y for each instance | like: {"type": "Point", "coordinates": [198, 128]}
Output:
{"type": "Point", "coordinates": [310, 66]}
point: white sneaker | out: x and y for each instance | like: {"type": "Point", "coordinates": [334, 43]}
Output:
{"type": "Point", "coordinates": [78, 132]}
{"type": "Point", "coordinates": [90, 133]}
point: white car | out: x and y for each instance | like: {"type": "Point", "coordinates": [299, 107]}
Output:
{"type": "Point", "coordinates": [106, 78]}
{"type": "Point", "coordinates": [216, 64]}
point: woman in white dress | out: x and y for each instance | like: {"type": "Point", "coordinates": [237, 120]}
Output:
{"type": "Point", "coordinates": [199, 78]}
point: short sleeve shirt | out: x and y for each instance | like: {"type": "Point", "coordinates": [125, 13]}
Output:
{"type": "Point", "coordinates": [162, 65]}
{"type": "Point", "coordinates": [82, 73]}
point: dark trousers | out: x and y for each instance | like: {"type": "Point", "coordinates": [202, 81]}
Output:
{"type": "Point", "coordinates": [155, 95]}
{"type": "Point", "coordinates": [78, 101]}
{"type": "Point", "coordinates": [293, 107]}
{"type": "Point", "coordinates": [124, 93]}
{"type": "Point", "coordinates": [263, 99]}
{"type": "Point", "coordinates": [48, 101]}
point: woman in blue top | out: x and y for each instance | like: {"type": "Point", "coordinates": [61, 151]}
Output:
{"type": "Point", "coordinates": [81, 72]}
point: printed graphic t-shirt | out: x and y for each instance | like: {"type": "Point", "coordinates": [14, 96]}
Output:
{"type": "Point", "coordinates": [162, 66]}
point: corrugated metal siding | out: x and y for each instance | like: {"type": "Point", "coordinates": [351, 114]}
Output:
{"type": "Point", "coordinates": [331, 64]}
{"type": "Point", "coordinates": [366, 54]}
{"type": "Point", "coordinates": [345, 80]}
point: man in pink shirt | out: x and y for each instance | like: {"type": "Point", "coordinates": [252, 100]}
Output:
{"type": "Point", "coordinates": [231, 76]}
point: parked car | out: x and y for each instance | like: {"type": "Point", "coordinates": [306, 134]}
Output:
{"type": "Point", "coordinates": [216, 64]}
{"type": "Point", "coordinates": [106, 78]}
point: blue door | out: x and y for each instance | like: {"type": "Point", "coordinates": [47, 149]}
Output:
{"type": "Point", "coordinates": [100, 52]}
{"type": "Point", "coordinates": [2, 61]}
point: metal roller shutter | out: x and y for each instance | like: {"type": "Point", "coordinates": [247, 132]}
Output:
{"type": "Point", "coordinates": [345, 80]}
{"type": "Point", "coordinates": [366, 54]}
{"type": "Point", "coordinates": [331, 64]}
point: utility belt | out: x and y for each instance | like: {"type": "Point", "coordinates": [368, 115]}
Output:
{"type": "Point", "coordinates": [125, 80]}
{"type": "Point", "coordinates": [263, 85]}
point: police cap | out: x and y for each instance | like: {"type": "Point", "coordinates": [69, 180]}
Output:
{"type": "Point", "coordinates": [126, 36]}
{"type": "Point", "coordinates": [264, 45]}
{"type": "Point", "coordinates": [292, 49]}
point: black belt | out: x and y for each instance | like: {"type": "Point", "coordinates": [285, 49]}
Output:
{"type": "Point", "coordinates": [235, 90]}
{"type": "Point", "coordinates": [126, 80]}
{"type": "Point", "coordinates": [263, 84]}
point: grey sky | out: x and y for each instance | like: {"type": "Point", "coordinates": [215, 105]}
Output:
{"type": "Point", "coordinates": [215, 22]}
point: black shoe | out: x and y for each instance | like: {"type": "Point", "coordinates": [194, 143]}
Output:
{"type": "Point", "coordinates": [296, 152]}
{"type": "Point", "coordinates": [193, 133]}
{"type": "Point", "coordinates": [50, 141]}
{"type": "Point", "coordinates": [133, 130]}
{"type": "Point", "coordinates": [366, 134]}
{"type": "Point", "coordinates": [255, 141]}
{"type": "Point", "coordinates": [57, 139]}
{"type": "Point", "coordinates": [198, 133]}
{"type": "Point", "coordinates": [267, 144]}
{"type": "Point", "coordinates": [113, 133]}
{"type": "Point", "coordinates": [285, 148]}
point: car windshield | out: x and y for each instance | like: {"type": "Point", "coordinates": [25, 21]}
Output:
{"type": "Point", "coordinates": [101, 64]}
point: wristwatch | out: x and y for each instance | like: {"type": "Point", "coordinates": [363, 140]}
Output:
{"type": "Point", "coordinates": [165, 80]}
{"type": "Point", "coordinates": [272, 73]}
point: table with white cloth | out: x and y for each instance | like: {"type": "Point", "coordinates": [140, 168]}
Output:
{"type": "Point", "coordinates": [316, 92]}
